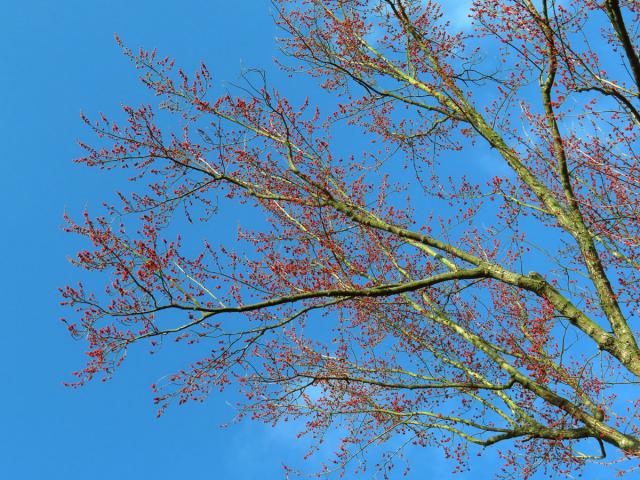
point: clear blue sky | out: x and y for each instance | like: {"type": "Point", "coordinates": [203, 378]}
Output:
{"type": "Point", "coordinates": [56, 59]}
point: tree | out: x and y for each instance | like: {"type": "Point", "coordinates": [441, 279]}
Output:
{"type": "Point", "coordinates": [385, 291]}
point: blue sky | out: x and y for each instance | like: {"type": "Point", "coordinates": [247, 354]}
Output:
{"type": "Point", "coordinates": [58, 58]}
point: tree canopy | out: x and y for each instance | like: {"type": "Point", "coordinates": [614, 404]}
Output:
{"type": "Point", "coordinates": [447, 254]}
